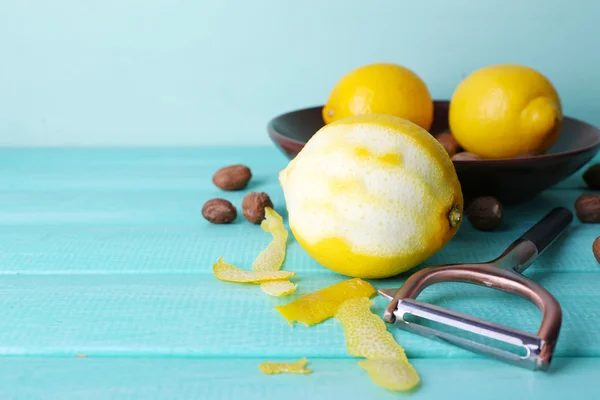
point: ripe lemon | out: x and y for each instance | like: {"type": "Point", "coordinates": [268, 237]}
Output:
{"type": "Point", "coordinates": [505, 110]}
{"type": "Point", "coordinates": [381, 88]}
{"type": "Point", "coordinates": [371, 196]}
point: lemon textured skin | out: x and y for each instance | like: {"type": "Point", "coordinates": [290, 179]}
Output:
{"type": "Point", "coordinates": [502, 111]}
{"type": "Point", "coordinates": [370, 196]}
{"type": "Point", "coordinates": [381, 88]}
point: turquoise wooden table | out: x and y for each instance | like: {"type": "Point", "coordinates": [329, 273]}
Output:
{"type": "Point", "coordinates": [107, 290]}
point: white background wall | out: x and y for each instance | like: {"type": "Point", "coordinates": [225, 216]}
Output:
{"type": "Point", "coordinates": [192, 72]}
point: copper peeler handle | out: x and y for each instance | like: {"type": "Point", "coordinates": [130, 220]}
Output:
{"type": "Point", "coordinates": [502, 273]}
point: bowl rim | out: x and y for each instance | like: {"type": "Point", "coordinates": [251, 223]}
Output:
{"type": "Point", "coordinates": [273, 133]}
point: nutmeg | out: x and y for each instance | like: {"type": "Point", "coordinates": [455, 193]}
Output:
{"type": "Point", "coordinates": [587, 208]}
{"type": "Point", "coordinates": [485, 213]}
{"type": "Point", "coordinates": [219, 211]}
{"type": "Point", "coordinates": [253, 206]}
{"type": "Point", "coordinates": [232, 177]}
{"type": "Point", "coordinates": [465, 156]}
{"type": "Point", "coordinates": [591, 177]}
{"type": "Point", "coordinates": [450, 144]}
{"type": "Point", "coordinates": [596, 249]}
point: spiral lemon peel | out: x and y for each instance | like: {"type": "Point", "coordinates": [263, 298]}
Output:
{"type": "Point", "coordinates": [295, 367]}
{"type": "Point", "coordinates": [367, 336]}
{"type": "Point", "coordinates": [266, 267]}
{"type": "Point", "coordinates": [318, 306]}
{"type": "Point", "coordinates": [231, 273]}
{"type": "Point", "coordinates": [273, 256]}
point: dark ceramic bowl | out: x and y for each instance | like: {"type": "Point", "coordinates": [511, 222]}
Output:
{"type": "Point", "coordinates": [512, 181]}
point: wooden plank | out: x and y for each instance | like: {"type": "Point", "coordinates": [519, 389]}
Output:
{"type": "Point", "coordinates": [166, 203]}
{"type": "Point", "coordinates": [185, 315]}
{"type": "Point", "coordinates": [93, 378]}
{"type": "Point", "coordinates": [192, 248]}
{"type": "Point", "coordinates": [74, 158]}
{"type": "Point", "coordinates": [183, 208]}
{"type": "Point", "coordinates": [129, 169]}
{"type": "Point", "coordinates": [177, 168]}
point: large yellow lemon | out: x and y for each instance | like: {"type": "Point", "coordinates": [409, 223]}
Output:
{"type": "Point", "coordinates": [502, 111]}
{"type": "Point", "coordinates": [372, 196]}
{"type": "Point", "coordinates": [381, 88]}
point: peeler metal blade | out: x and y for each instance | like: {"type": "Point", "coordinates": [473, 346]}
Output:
{"type": "Point", "coordinates": [502, 273]}
{"type": "Point", "coordinates": [531, 344]}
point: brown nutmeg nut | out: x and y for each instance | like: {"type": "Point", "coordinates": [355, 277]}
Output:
{"type": "Point", "coordinates": [596, 249]}
{"type": "Point", "coordinates": [450, 144]}
{"type": "Point", "coordinates": [219, 211]}
{"type": "Point", "coordinates": [485, 213]}
{"type": "Point", "coordinates": [465, 156]}
{"type": "Point", "coordinates": [232, 177]}
{"type": "Point", "coordinates": [591, 177]}
{"type": "Point", "coordinates": [253, 206]}
{"type": "Point", "coordinates": [587, 208]}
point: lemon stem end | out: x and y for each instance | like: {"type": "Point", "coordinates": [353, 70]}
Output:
{"type": "Point", "coordinates": [454, 216]}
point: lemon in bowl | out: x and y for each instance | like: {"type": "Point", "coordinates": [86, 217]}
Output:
{"type": "Point", "coordinates": [371, 196]}
{"type": "Point", "coordinates": [504, 111]}
{"type": "Point", "coordinates": [380, 88]}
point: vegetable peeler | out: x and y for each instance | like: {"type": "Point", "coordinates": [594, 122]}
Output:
{"type": "Point", "coordinates": [502, 273]}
